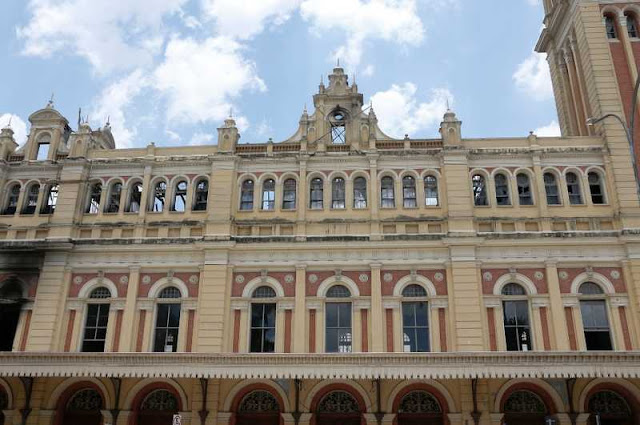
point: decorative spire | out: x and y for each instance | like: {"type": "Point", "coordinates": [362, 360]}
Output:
{"type": "Point", "coordinates": [338, 63]}
{"type": "Point", "coordinates": [50, 102]}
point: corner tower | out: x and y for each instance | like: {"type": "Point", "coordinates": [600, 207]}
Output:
{"type": "Point", "coordinates": [593, 50]}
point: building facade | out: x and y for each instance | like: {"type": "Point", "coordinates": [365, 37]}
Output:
{"type": "Point", "coordinates": [339, 276]}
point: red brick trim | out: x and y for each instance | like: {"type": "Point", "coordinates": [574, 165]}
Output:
{"type": "Point", "coordinates": [618, 389]}
{"type": "Point", "coordinates": [443, 330]}
{"type": "Point", "coordinates": [389, 314]}
{"type": "Point", "coordinates": [144, 392]}
{"type": "Point", "coordinates": [365, 329]}
{"type": "Point", "coordinates": [143, 316]}
{"type": "Point", "coordinates": [255, 387]}
{"type": "Point", "coordinates": [64, 398]}
{"type": "Point", "coordinates": [287, 330]}
{"type": "Point", "coordinates": [236, 331]}
{"type": "Point", "coordinates": [116, 334]}
{"type": "Point", "coordinates": [444, 405]}
{"type": "Point", "coordinates": [312, 331]}
{"type": "Point", "coordinates": [546, 340]}
{"type": "Point", "coordinates": [25, 332]}
{"type": "Point", "coordinates": [337, 387]}
{"type": "Point", "coordinates": [491, 319]}
{"type": "Point", "coordinates": [67, 341]}
{"type": "Point", "coordinates": [190, 322]}
{"type": "Point", "coordinates": [625, 328]}
{"type": "Point", "coordinates": [571, 328]}
{"type": "Point", "coordinates": [537, 390]}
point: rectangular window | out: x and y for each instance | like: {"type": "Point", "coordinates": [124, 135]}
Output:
{"type": "Point", "coordinates": [95, 328]}
{"type": "Point", "coordinates": [596, 325]}
{"type": "Point", "coordinates": [167, 325]}
{"type": "Point", "coordinates": [516, 325]}
{"type": "Point", "coordinates": [338, 328]}
{"type": "Point", "coordinates": [263, 328]}
{"type": "Point", "coordinates": [43, 152]}
{"type": "Point", "coordinates": [415, 327]}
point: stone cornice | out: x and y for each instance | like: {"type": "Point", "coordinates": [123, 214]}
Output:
{"type": "Point", "coordinates": [324, 366]}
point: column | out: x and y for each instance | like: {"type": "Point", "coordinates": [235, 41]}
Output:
{"type": "Point", "coordinates": [438, 325]}
{"type": "Point", "coordinates": [214, 290]}
{"type": "Point", "coordinates": [282, 308]}
{"type": "Point", "coordinates": [358, 327]}
{"type": "Point", "coordinates": [621, 336]}
{"type": "Point", "coordinates": [558, 325]}
{"type": "Point", "coordinates": [537, 328]}
{"type": "Point", "coordinates": [315, 317]}
{"type": "Point", "coordinates": [114, 326]}
{"type": "Point", "coordinates": [185, 338]}
{"type": "Point", "coordinates": [493, 309]}
{"type": "Point", "coordinates": [377, 315]}
{"type": "Point", "coordinates": [632, 291]}
{"type": "Point", "coordinates": [240, 326]}
{"type": "Point", "coordinates": [127, 340]}
{"type": "Point", "coordinates": [145, 326]}
{"type": "Point", "coordinates": [300, 343]}
{"type": "Point", "coordinates": [390, 313]}
{"type": "Point", "coordinates": [575, 332]}
{"type": "Point", "coordinates": [22, 330]}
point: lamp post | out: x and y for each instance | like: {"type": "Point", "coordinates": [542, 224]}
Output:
{"type": "Point", "coordinates": [629, 130]}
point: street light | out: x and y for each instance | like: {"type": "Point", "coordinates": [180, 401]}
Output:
{"type": "Point", "coordinates": [628, 130]}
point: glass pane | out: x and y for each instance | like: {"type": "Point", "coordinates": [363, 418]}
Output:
{"type": "Point", "coordinates": [422, 335]}
{"type": "Point", "coordinates": [257, 311]}
{"type": "Point", "coordinates": [344, 315]}
{"type": "Point", "coordinates": [331, 342]}
{"type": "Point", "coordinates": [269, 341]}
{"type": "Point", "coordinates": [270, 315]}
{"type": "Point", "coordinates": [163, 313]}
{"type": "Point", "coordinates": [511, 336]}
{"type": "Point", "coordinates": [598, 340]}
{"type": "Point", "coordinates": [344, 340]}
{"type": "Point", "coordinates": [408, 314]}
{"type": "Point", "coordinates": [422, 314]}
{"type": "Point", "coordinates": [174, 316]}
{"type": "Point", "coordinates": [332, 315]}
{"type": "Point", "coordinates": [160, 336]}
{"type": "Point", "coordinates": [256, 341]}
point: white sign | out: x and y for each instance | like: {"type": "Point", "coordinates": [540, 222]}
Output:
{"type": "Point", "coordinates": [177, 420]}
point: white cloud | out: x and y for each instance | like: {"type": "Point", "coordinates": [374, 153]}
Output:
{"type": "Point", "coordinates": [200, 80]}
{"type": "Point", "coordinates": [533, 2]}
{"type": "Point", "coordinates": [550, 130]}
{"type": "Point", "coordinates": [112, 103]}
{"type": "Point", "coordinates": [241, 19]}
{"type": "Point", "coordinates": [369, 70]}
{"type": "Point", "coordinates": [200, 138]}
{"type": "Point", "coordinates": [172, 135]}
{"type": "Point", "coordinates": [361, 20]}
{"type": "Point", "coordinates": [110, 34]}
{"type": "Point", "coordinates": [533, 77]}
{"type": "Point", "coordinates": [400, 112]}
{"type": "Point", "coordinates": [18, 126]}
{"type": "Point", "coordinates": [263, 129]}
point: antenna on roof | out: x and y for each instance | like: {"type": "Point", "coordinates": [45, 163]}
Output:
{"type": "Point", "coordinates": [108, 119]}
{"type": "Point", "coordinates": [10, 118]}
{"type": "Point", "coordinates": [448, 106]}
{"type": "Point", "coordinates": [79, 117]}
{"type": "Point", "coordinates": [231, 112]}
{"type": "Point", "coordinates": [338, 62]}
{"type": "Point", "coordinates": [50, 103]}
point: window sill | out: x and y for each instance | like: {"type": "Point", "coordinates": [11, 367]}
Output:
{"type": "Point", "coordinates": [245, 211]}
{"type": "Point", "coordinates": [267, 211]}
{"type": "Point", "coordinates": [410, 208]}
{"type": "Point", "coordinates": [198, 211]}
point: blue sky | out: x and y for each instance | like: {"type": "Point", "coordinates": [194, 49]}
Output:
{"type": "Point", "coordinates": [169, 71]}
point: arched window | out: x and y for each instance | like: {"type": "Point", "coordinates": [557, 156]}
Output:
{"type": "Point", "coordinates": [263, 321]}
{"type": "Point", "coordinates": [415, 319]}
{"type": "Point", "coordinates": [573, 188]}
{"type": "Point", "coordinates": [502, 189]}
{"type": "Point", "coordinates": [610, 27]}
{"type": "Point", "coordinates": [31, 203]}
{"type": "Point", "coordinates": [360, 193]}
{"type": "Point", "coordinates": [595, 320]}
{"type": "Point", "coordinates": [431, 191]}
{"type": "Point", "coordinates": [338, 193]}
{"type": "Point", "coordinates": [524, 406]}
{"type": "Point", "coordinates": [11, 298]}
{"type": "Point", "coordinates": [4, 404]}
{"type": "Point", "coordinates": [13, 195]}
{"type": "Point", "coordinates": [525, 196]}
{"type": "Point", "coordinates": [419, 403]}
{"type": "Point", "coordinates": [84, 408]}
{"type": "Point", "coordinates": [159, 197]}
{"type": "Point", "coordinates": [246, 195]}
{"type": "Point", "coordinates": [269, 195]}
{"type": "Point", "coordinates": [632, 27]}
{"type": "Point", "coordinates": [95, 193]}
{"type": "Point", "coordinates": [201, 195]}
{"type": "Point", "coordinates": [95, 325]}
{"type": "Point", "coordinates": [317, 193]}
{"type": "Point", "coordinates": [42, 149]}
{"type": "Point", "coordinates": [479, 191]}
{"type": "Point", "coordinates": [551, 189]}
{"type": "Point", "coordinates": [289, 194]}
{"type": "Point", "coordinates": [135, 198]}
{"type": "Point", "coordinates": [158, 407]}
{"type": "Point", "coordinates": [338, 407]}
{"type": "Point", "coordinates": [180, 197]}
{"type": "Point", "coordinates": [387, 193]}
{"type": "Point", "coordinates": [609, 407]}
{"type": "Point", "coordinates": [167, 321]}
{"type": "Point", "coordinates": [49, 203]}
{"type": "Point", "coordinates": [338, 128]}
{"type": "Point", "coordinates": [409, 192]}
{"type": "Point", "coordinates": [596, 188]}
{"type": "Point", "coordinates": [517, 328]}
{"type": "Point", "coordinates": [258, 407]}
{"type": "Point", "coordinates": [338, 334]}
{"type": "Point", "coordinates": [113, 202]}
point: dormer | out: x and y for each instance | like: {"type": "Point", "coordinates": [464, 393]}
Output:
{"type": "Point", "coordinates": [48, 135]}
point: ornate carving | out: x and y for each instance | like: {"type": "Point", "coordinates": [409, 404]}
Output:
{"type": "Point", "coordinates": [338, 402]}
{"type": "Point", "coordinates": [538, 275]}
{"type": "Point", "coordinates": [85, 400]}
{"type": "Point", "coordinates": [615, 274]}
{"type": "Point", "coordinates": [313, 278]}
{"type": "Point", "coordinates": [77, 280]}
{"type": "Point", "coordinates": [124, 279]}
{"type": "Point", "coordinates": [419, 402]}
{"type": "Point", "coordinates": [563, 275]}
{"type": "Point", "coordinates": [487, 276]}
{"type": "Point", "coordinates": [438, 277]}
{"type": "Point", "coordinates": [160, 400]}
{"type": "Point", "coordinates": [259, 402]}
{"type": "Point", "coordinates": [364, 278]}
{"type": "Point", "coordinates": [193, 279]}
{"type": "Point", "coordinates": [239, 278]}
{"type": "Point", "coordinates": [289, 278]}
{"type": "Point", "coordinates": [146, 279]}
{"type": "Point", "coordinates": [388, 277]}
{"type": "Point", "coordinates": [609, 403]}
{"type": "Point", "coordinates": [524, 402]}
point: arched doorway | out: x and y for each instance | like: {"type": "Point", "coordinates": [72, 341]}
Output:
{"type": "Point", "coordinates": [83, 408]}
{"type": "Point", "coordinates": [158, 408]}
{"type": "Point", "coordinates": [10, 305]}
{"type": "Point", "coordinates": [258, 407]}
{"type": "Point", "coordinates": [524, 407]}
{"type": "Point", "coordinates": [420, 408]}
{"type": "Point", "coordinates": [609, 408]}
{"type": "Point", "coordinates": [4, 404]}
{"type": "Point", "coordinates": [338, 408]}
